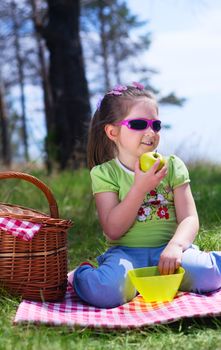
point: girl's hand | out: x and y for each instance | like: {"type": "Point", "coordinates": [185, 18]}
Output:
{"type": "Point", "coordinates": [170, 258]}
{"type": "Point", "coordinates": [147, 181]}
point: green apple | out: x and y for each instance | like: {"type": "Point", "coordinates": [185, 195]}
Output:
{"type": "Point", "coordinates": [148, 159]}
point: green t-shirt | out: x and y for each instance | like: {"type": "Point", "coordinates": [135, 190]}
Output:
{"type": "Point", "coordinates": [155, 223]}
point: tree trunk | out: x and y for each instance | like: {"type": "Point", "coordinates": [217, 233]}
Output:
{"type": "Point", "coordinates": [5, 143]}
{"type": "Point", "coordinates": [104, 45]}
{"type": "Point", "coordinates": [68, 82]}
{"type": "Point", "coordinates": [21, 78]}
{"type": "Point", "coordinates": [47, 94]}
{"type": "Point", "coordinates": [114, 40]}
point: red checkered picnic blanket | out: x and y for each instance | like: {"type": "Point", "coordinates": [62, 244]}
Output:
{"type": "Point", "coordinates": [73, 312]}
{"type": "Point", "coordinates": [19, 228]}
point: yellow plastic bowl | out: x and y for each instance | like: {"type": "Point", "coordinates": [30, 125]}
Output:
{"type": "Point", "coordinates": [155, 287]}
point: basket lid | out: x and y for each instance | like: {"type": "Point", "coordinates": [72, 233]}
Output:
{"type": "Point", "coordinates": [23, 213]}
{"type": "Point", "coordinates": [15, 211]}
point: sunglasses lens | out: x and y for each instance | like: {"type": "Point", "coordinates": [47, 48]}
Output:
{"type": "Point", "coordinates": [157, 125]}
{"type": "Point", "coordinates": [138, 124]}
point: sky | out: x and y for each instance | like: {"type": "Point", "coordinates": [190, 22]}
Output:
{"type": "Point", "coordinates": [186, 51]}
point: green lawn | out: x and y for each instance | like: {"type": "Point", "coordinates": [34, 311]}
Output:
{"type": "Point", "coordinates": [72, 191]}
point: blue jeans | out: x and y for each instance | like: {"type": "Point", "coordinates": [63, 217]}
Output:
{"type": "Point", "coordinates": [109, 286]}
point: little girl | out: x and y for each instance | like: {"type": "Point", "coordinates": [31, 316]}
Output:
{"type": "Point", "coordinates": [148, 218]}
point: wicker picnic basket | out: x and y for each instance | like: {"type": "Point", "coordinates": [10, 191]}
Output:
{"type": "Point", "coordinates": [36, 269]}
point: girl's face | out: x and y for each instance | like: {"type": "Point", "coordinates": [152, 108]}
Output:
{"type": "Point", "coordinates": [132, 143]}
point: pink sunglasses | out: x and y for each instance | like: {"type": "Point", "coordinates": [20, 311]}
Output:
{"type": "Point", "coordinates": [141, 124]}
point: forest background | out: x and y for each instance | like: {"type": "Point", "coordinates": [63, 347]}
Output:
{"type": "Point", "coordinates": [58, 57]}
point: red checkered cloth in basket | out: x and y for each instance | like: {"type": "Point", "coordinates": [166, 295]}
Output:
{"type": "Point", "coordinates": [19, 228]}
{"type": "Point", "coordinates": [135, 314]}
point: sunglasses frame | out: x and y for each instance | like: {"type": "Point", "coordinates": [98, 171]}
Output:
{"type": "Point", "coordinates": [150, 122]}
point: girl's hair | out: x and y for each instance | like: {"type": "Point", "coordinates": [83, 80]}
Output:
{"type": "Point", "coordinates": [113, 107]}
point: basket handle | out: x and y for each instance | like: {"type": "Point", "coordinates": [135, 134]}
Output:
{"type": "Point", "coordinates": [39, 184]}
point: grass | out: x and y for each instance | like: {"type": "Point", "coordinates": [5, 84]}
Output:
{"type": "Point", "coordinates": [73, 194]}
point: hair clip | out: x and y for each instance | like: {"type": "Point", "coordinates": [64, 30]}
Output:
{"type": "Point", "coordinates": [120, 88]}
{"type": "Point", "coordinates": [139, 86]}
{"type": "Point", "coordinates": [114, 92]}
{"type": "Point", "coordinates": [100, 98]}
{"type": "Point", "coordinates": [117, 90]}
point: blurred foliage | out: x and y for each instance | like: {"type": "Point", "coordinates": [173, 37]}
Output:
{"type": "Point", "coordinates": [110, 32]}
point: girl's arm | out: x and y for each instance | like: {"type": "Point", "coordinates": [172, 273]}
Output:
{"type": "Point", "coordinates": [117, 217]}
{"type": "Point", "coordinates": [188, 226]}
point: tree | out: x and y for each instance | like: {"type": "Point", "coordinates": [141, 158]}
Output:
{"type": "Point", "coordinates": [113, 23]}
{"type": "Point", "coordinates": [118, 46]}
{"type": "Point", "coordinates": [15, 63]}
{"type": "Point", "coordinates": [5, 142]}
{"type": "Point", "coordinates": [37, 16]}
{"type": "Point", "coordinates": [68, 83]}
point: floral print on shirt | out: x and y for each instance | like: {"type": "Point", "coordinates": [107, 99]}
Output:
{"type": "Point", "coordinates": [155, 204]}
